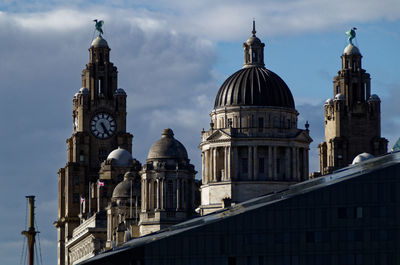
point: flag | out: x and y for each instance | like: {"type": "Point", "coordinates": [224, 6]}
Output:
{"type": "Point", "coordinates": [100, 183]}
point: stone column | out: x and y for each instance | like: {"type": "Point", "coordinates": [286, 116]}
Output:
{"type": "Point", "coordinates": [214, 158]}
{"type": "Point", "coordinates": [162, 194]}
{"type": "Point", "coordinates": [298, 164]}
{"type": "Point", "coordinates": [158, 194]}
{"type": "Point", "coordinates": [305, 163]}
{"type": "Point", "coordinates": [144, 199]}
{"type": "Point", "coordinates": [250, 163]}
{"type": "Point", "coordinates": [178, 192]}
{"type": "Point", "coordinates": [287, 163]}
{"type": "Point", "coordinates": [209, 166]}
{"type": "Point", "coordinates": [203, 174]}
{"type": "Point", "coordinates": [294, 163]}
{"type": "Point", "coordinates": [236, 163]}
{"type": "Point", "coordinates": [274, 162]}
{"type": "Point", "coordinates": [256, 166]}
{"type": "Point", "coordinates": [270, 163]}
{"type": "Point", "coordinates": [229, 169]}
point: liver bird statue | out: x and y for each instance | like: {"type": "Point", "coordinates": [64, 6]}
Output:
{"type": "Point", "coordinates": [351, 34]}
{"type": "Point", "coordinates": [99, 24]}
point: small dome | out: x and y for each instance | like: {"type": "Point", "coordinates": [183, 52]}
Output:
{"type": "Point", "coordinates": [329, 101]}
{"type": "Point", "coordinates": [120, 91]}
{"type": "Point", "coordinates": [123, 189]}
{"type": "Point", "coordinates": [362, 157]}
{"type": "Point", "coordinates": [121, 157]}
{"type": "Point", "coordinates": [254, 86]}
{"type": "Point", "coordinates": [253, 40]}
{"type": "Point", "coordinates": [84, 90]}
{"type": "Point", "coordinates": [374, 97]}
{"type": "Point", "coordinates": [167, 147]}
{"type": "Point", "coordinates": [99, 42]}
{"type": "Point", "coordinates": [351, 49]}
{"type": "Point", "coordinates": [339, 96]}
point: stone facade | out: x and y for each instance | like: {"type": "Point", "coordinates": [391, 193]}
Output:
{"type": "Point", "coordinates": [253, 146]}
{"type": "Point", "coordinates": [167, 185]}
{"type": "Point", "coordinates": [99, 190]}
{"type": "Point", "coordinates": [352, 117]}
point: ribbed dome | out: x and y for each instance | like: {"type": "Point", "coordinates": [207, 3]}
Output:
{"type": "Point", "coordinates": [254, 86]}
{"type": "Point", "coordinates": [167, 147]}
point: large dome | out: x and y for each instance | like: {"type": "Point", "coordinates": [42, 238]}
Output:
{"type": "Point", "coordinates": [167, 147]}
{"type": "Point", "coordinates": [254, 86]}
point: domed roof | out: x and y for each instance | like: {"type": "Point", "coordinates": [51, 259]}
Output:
{"type": "Point", "coordinates": [123, 189]}
{"type": "Point", "coordinates": [351, 49]}
{"type": "Point", "coordinates": [121, 157]}
{"type": "Point", "coordinates": [362, 157]}
{"type": "Point", "coordinates": [253, 40]}
{"type": "Point", "coordinates": [167, 147]}
{"type": "Point", "coordinates": [99, 42]}
{"type": "Point", "coordinates": [374, 97]}
{"type": "Point", "coordinates": [84, 90]}
{"type": "Point", "coordinates": [329, 101]}
{"type": "Point", "coordinates": [254, 86]}
{"type": "Point", "coordinates": [120, 91]}
{"type": "Point", "coordinates": [339, 96]}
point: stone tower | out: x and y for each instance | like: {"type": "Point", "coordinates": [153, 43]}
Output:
{"type": "Point", "coordinates": [253, 145]}
{"type": "Point", "coordinates": [167, 185]}
{"type": "Point", "coordinates": [352, 117]}
{"type": "Point", "coordinates": [99, 126]}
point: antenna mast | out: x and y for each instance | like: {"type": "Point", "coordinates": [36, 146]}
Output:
{"type": "Point", "coordinates": [31, 233]}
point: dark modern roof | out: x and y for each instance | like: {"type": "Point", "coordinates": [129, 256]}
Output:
{"type": "Point", "coordinates": [167, 147]}
{"type": "Point", "coordinates": [340, 175]}
{"type": "Point", "coordinates": [254, 86]}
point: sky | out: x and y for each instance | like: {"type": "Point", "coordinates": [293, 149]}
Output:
{"type": "Point", "coordinates": [172, 57]}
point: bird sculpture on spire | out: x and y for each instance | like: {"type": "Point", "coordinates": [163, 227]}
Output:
{"type": "Point", "coordinates": [351, 35]}
{"type": "Point", "coordinates": [99, 24]}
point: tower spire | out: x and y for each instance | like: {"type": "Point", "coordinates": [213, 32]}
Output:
{"type": "Point", "coordinates": [254, 27]}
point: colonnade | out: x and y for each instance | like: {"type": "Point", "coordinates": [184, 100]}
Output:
{"type": "Point", "coordinates": [163, 194]}
{"type": "Point", "coordinates": [289, 165]}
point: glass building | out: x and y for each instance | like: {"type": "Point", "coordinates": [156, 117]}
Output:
{"type": "Point", "coordinates": [351, 216]}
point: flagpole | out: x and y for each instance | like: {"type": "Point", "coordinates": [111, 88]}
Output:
{"type": "Point", "coordinates": [90, 199]}
{"type": "Point", "coordinates": [130, 210]}
{"type": "Point", "coordinates": [98, 196]}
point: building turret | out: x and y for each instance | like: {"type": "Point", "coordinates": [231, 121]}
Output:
{"type": "Point", "coordinates": [352, 117]}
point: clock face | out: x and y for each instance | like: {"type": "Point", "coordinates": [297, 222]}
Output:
{"type": "Point", "coordinates": [103, 125]}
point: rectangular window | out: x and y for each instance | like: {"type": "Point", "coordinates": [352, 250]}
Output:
{"type": "Point", "coordinates": [75, 198]}
{"type": "Point", "coordinates": [261, 165]}
{"type": "Point", "coordinates": [76, 180]}
{"type": "Point", "coordinates": [278, 166]}
{"type": "Point", "coordinates": [260, 124]}
{"type": "Point", "coordinates": [230, 123]}
{"type": "Point", "coordinates": [358, 212]}
{"type": "Point", "coordinates": [245, 165]}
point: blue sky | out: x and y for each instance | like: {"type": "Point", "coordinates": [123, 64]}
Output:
{"type": "Point", "coordinates": [172, 56]}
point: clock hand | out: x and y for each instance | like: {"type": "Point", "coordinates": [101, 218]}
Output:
{"type": "Point", "coordinates": [104, 128]}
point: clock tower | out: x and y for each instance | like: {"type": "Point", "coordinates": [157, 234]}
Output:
{"type": "Point", "coordinates": [99, 127]}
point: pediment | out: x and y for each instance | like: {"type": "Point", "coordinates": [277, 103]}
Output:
{"type": "Point", "coordinates": [219, 135]}
{"type": "Point", "coordinates": [303, 136]}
